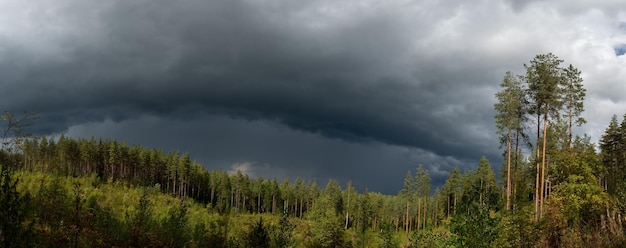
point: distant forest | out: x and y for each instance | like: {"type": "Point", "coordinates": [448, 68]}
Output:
{"type": "Point", "coordinates": [554, 189]}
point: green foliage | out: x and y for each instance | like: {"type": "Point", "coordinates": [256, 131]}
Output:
{"type": "Point", "coordinates": [282, 236]}
{"type": "Point", "coordinates": [422, 183]}
{"type": "Point", "coordinates": [480, 188]}
{"type": "Point", "coordinates": [573, 97]}
{"type": "Point", "coordinates": [452, 190]}
{"type": "Point", "coordinates": [543, 75]}
{"type": "Point", "coordinates": [476, 228]}
{"type": "Point", "coordinates": [328, 230]}
{"type": "Point", "coordinates": [141, 222]}
{"type": "Point", "coordinates": [217, 232]}
{"type": "Point", "coordinates": [106, 229]}
{"type": "Point", "coordinates": [613, 157]}
{"type": "Point", "coordinates": [578, 201]}
{"type": "Point", "coordinates": [13, 212]}
{"type": "Point", "coordinates": [258, 237]}
{"type": "Point", "coordinates": [516, 229]}
{"type": "Point", "coordinates": [436, 238]}
{"type": "Point", "coordinates": [387, 235]}
{"type": "Point", "coordinates": [174, 227]}
{"type": "Point", "coordinates": [510, 117]}
{"type": "Point", "coordinates": [510, 105]}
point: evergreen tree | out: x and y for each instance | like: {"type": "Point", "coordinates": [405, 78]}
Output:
{"type": "Point", "coordinates": [544, 78]}
{"type": "Point", "coordinates": [141, 222]}
{"type": "Point", "coordinates": [283, 233]}
{"type": "Point", "coordinates": [350, 196]}
{"type": "Point", "coordinates": [173, 228]}
{"type": "Point", "coordinates": [407, 194]}
{"type": "Point", "coordinates": [258, 237]}
{"type": "Point", "coordinates": [573, 97]}
{"type": "Point", "coordinates": [612, 145]}
{"type": "Point", "coordinates": [509, 120]}
{"type": "Point", "coordinates": [480, 188]}
{"type": "Point", "coordinates": [13, 212]}
{"type": "Point", "coordinates": [328, 230]}
{"type": "Point", "coordinates": [611, 149]}
{"type": "Point", "coordinates": [422, 182]}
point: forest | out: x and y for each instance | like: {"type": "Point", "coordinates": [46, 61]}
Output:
{"type": "Point", "coordinates": [554, 189]}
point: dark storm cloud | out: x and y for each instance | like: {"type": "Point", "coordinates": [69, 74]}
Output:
{"type": "Point", "coordinates": [272, 150]}
{"type": "Point", "coordinates": [346, 79]}
{"type": "Point", "coordinates": [409, 82]}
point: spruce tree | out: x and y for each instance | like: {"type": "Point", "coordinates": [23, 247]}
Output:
{"type": "Point", "coordinates": [611, 146]}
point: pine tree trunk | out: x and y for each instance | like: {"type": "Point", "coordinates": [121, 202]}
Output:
{"type": "Point", "coordinates": [346, 220]}
{"type": "Point", "coordinates": [508, 173]}
{"type": "Point", "coordinates": [406, 220]}
{"type": "Point", "coordinates": [258, 204]}
{"type": "Point", "coordinates": [448, 209]}
{"type": "Point", "coordinates": [455, 202]}
{"type": "Point", "coordinates": [570, 122]}
{"type": "Point", "coordinates": [515, 167]}
{"type": "Point", "coordinates": [425, 212]}
{"type": "Point", "coordinates": [543, 164]}
{"type": "Point", "coordinates": [419, 212]}
{"type": "Point", "coordinates": [537, 176]}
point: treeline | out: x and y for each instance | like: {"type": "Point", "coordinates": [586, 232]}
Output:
{"type": "Point", "coordinates": [174, 172]}
{"type": "Point", "coordinates": [47, 210]}
{"type": "Point", "coordinates": [332, 215]}
{"type": "Point", "coordinates": [219, 191]}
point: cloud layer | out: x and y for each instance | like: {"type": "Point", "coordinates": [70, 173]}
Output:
{"type": "Point", "coordinates": [397, 79]}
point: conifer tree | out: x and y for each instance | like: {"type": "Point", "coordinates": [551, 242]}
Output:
{"type": "Point", "coordinates": [258, 237]}
{"type": "Point", "coordinates": [422, 190]}
{"type": "Point", "coordinates": [407, 193]}
{"type": "Point", "coordinates": [13, 211]}
{"type": "Point", "coordinates": [612, 145]}
{"type": "Point", "coordinates": [509, 120]}
{"type": "Point", "coordinates": [544, 78]}
{"type": "Point", "coordinates": [573, 97]}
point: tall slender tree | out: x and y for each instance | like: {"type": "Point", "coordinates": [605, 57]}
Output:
{"type": "Point", "coordinates": [422, 190]}
{"type": "Point", "coordinates": [407, 193]}
{"type": "Point", "coordinates": [611, 146]}
{"type": "Point", "coordinates": [508, 120]}
{"type": "Point", "coordinates": [544, 77]}
{"type": "Point", "coordinates": [573, 97]}
{"type": "Point", "coordinates": [454, 189]}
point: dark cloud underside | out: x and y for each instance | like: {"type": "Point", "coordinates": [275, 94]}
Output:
{"type": "Point", "coordinates": [372, 76]}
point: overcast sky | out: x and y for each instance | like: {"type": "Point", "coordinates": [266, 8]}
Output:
{"type": "Point", "coordinates": [359, 90]}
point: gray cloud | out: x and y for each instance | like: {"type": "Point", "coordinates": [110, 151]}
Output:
{"type": "Point", "coordinates": [390, 78]}
{"type": "Point", "coordinates": [274, 150]}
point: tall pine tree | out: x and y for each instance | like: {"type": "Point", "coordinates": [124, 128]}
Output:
{"type": "Point", "coordinates": [544, 78]}
{"type": "Point", "coordinates": [509, 120]}
{"type": "Point", "coordinates": [573, 97]}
